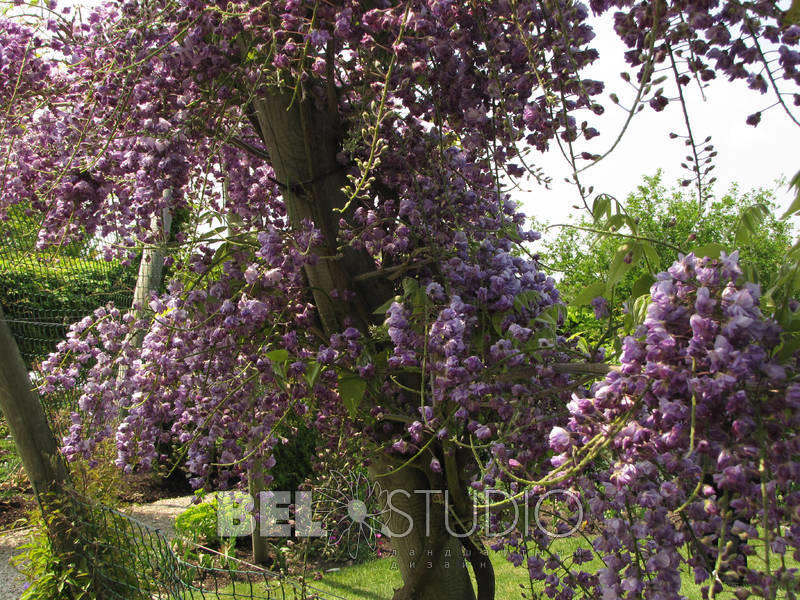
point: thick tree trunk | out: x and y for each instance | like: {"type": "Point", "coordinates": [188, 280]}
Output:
{"type": "Point", "coordinates": [32, 435]}
{"type": "Point", "coordinates": [303, 142]}
{"type": "Point", "coordinates": [432, 562]}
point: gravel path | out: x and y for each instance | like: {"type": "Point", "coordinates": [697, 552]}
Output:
{"type": "Point", "coordinates": [11, 582]}
{"type": "Point", "coordinates": [158, 515]}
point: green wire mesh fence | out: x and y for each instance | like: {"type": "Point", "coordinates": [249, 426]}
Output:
{"type": "Point", "coordinates": [43, 292]}
{"type": "Point", "coordinates": [128, 560]}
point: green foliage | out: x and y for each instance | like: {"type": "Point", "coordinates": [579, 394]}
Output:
{"type": "Point", "coordinates": [199, 522]}
{"type": "Point", "coordinates": [199, 546]}
{"type": "Point", "coordinates": [44, 291]}
{"type": "Point", "coordinates": [99, 478]}
{"type": "Point", "coordinates": [671, 221]}
{"type": "Point", "coordinates": [42, 296]}
{"type": "Point", "coordinates": [293, 459]}
{"type": "Point", "coordinates": [51, 576]}
{"type": "Point", "coordinates": [10, 464]}
{"type": "Point", "coordinates": [20, 230]}
{"type": "Point", "coordinates": [68, 576]}
{"type": "Point", "coordinates": [616, 251]}
{"type": "Point", "coordinates": [351, 389]}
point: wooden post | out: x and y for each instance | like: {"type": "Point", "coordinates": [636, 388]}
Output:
{"type": "Point", "coordinates": [26, 419]}
{"type": "Point", "coordinates": [34, 440]}
{"type": "Point", "coordinates": [256, 485]}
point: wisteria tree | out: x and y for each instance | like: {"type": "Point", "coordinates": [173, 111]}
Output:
{"type": "Point", "coordinates": [353, 259]}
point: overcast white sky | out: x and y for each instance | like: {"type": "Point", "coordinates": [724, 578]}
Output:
{"type": "Point", "coordinates": [750, 156]}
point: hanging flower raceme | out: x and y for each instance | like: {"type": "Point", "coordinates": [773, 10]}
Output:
{"type": "Point", "coordinates": [698, 436]}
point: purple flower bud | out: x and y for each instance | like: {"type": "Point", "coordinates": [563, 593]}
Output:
{"type": "Point", "coordinates": [483, 432]}
{"type": "Point", "coordinates": [754, 119]}
{"type": "Point", "coordinates": [600, 306]}
{"type": "Point", "coordinates": [251, 274]}
{"type": "Point", "coordinates": [559, 439]}
{"type": "Point", "coordinates": [400, 446]}
{"type": "Point", "coordinates": [435, 292]}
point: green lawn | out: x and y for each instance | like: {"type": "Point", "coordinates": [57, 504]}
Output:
{"type": "Point", "coordinates": [377, 579]}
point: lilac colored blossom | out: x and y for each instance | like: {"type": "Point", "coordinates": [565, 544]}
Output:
{"type": "Point", "coordinates": [600, 306]}
{"type": "Point", "coordinates": [156, 121]}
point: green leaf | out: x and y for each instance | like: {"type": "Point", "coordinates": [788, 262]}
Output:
{"type": "Point", "coordinates": [601, 207]}
{"type": "Point", "coordinates": [223, 249]}
{"type": "Point", "coordinates": [410, 286]}
{"type": "Point", "coordinates": [795, 182]}
{"type": "Point", "coordinates": [383, 308]}
{"type": "Point", "coordinates": [615, 222]}
{"type": "Point", "coordinates": [749, 272]}
{"type": "Point", "coordinates": [589, 293]}
{"type": "Point", "coordinates": [642, 285]}
{"type": "Point", "coordinates": [750, 220]}
{"type": "Point", "coordinates": [550, 315]}
{"type": "Point", "coordinates": [212, 233]}
{"type": "Point", "coordinates": [627, 323]}
{"type": "Point", "coordinates": [791, 344]}
{"type": "Point", "coordinates": [415, 295]}
{"type": "Point", "coordinates": [712, 250]}
{"type": "Point", "coordinates": [794, 252]}
{"type": "Point", "coordinates": [497, 322]}
{"type": "Point", "coordinates": [525, 299]}
{"type": "Point", "coordinates": [652, 255]}
{"type": "Point", "coordinates": [639, 312]}
{"type": "Point", "coordinates": [792, 16]}
{"type": "Point", "coordinates": [619, 267]}
{"type": "Point", "coordinates": [791, 324]}
{"type": "Point", "coordinates": [278, 356]}
{"type": "Point", "coordinates": [351, 391]}
{"type": "Point", "coordinates": [312, 373]}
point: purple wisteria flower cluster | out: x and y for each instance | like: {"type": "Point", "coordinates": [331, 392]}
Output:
{"type": "Point", "coordinates": [694, 442]}
{"type": "Point", "coordinates": [286, 309]}
{"type": "Point", "coordinates": [128, 132]}
{"type": "Point", "coordinates": [202, 379]}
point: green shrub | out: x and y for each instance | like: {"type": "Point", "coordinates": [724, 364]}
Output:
{"type": "Point", "coordinates": [293, 459]}
{"type": "Point", "coordinates": [199, 523]}
{"type": "Point", "coordinates": [50, 576]}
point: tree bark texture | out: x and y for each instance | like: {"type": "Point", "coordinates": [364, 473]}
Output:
{"type": "Point", "coordinates": [432, 562]}
{"type": "Point", "coordinates": [302, 142]}
{"type": "Point", "coordinates": [33, 438]}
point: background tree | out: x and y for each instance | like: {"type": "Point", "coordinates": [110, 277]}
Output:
{"type": "Point", "coordinates": [675, 222]}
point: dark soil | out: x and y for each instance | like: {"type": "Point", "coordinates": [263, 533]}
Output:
{"type": "Point", "coordinates": [14, 511]}
{"type": "Point", "coordinates": [143, 488]}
